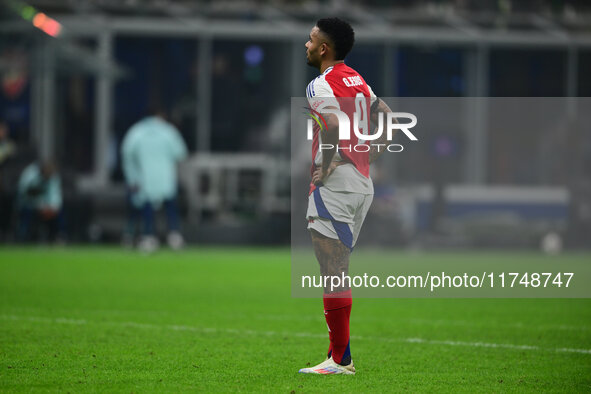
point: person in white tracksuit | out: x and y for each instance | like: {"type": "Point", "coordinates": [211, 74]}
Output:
{"type": "Point", "coordinates": [151, 152]}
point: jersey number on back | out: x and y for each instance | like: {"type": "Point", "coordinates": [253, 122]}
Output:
{"type": "Point", "coordinates": [361, 118]}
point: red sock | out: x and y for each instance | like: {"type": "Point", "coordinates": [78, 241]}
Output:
{"type": "Point", "coordinates": [337, 309]}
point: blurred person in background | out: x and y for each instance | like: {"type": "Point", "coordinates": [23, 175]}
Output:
{"type": "Point", "coordinates": [39, 202]}
{"type": "Point", "coordinates": [151, 151]}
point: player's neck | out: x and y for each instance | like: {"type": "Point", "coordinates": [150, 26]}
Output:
{"type": "Point", "coordinates": [329, 63]}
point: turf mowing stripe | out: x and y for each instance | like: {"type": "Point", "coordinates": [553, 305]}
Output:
{"type": "Point", "coordinates": [296, 334]}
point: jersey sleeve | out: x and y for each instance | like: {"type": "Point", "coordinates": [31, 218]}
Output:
{"type": "Point", "coordinates": [320, 95]}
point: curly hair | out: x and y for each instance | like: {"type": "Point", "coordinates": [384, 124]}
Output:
{"type": "Point", "coordinates": [340, 33]}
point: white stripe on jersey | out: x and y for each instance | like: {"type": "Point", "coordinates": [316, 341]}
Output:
{"type": "Point", "coordinates": [321, 95]}
{"type": "Point", "coordinates": [311, 89]}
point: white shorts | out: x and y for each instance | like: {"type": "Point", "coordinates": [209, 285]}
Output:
{"type": "Point", "coordinates": [338, 215]}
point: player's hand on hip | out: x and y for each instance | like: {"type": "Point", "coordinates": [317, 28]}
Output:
{"type": "Point", "coordinates": [319, 176]}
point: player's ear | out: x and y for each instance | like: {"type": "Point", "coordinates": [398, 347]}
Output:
{"type": "Point", "coordinates": [323, 48]}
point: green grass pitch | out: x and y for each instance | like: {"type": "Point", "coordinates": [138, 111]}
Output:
{"type": "Point", "coordinates": [222, 319]}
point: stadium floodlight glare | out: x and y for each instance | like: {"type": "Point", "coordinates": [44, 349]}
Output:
{"type": "Point", "coordinates": [40, 20]}
{"type": "Point", "coordinates": [46, 24]}
{"type": "Point", "coordinates": [28, 13]}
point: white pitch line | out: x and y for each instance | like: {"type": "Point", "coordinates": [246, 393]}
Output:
{"type": "Point", "coordinates": [209, 330]}
{"type": "Point", "coordinates": [504, 325]}
{"type": "Point", "coordinates": [434, 322]}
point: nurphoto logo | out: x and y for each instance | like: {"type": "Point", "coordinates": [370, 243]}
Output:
{"type": "Point", "coordinates": [386, 122]}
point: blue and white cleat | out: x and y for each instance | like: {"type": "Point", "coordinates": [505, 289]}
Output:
{"type": "Point", "coordinates": [329, 367]}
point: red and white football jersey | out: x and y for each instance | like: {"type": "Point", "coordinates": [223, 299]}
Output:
{"type": "Point", "coordinates": [343, 88]}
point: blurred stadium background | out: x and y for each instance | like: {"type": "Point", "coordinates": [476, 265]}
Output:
{"type": "Point", "coordinates": [77, 74]}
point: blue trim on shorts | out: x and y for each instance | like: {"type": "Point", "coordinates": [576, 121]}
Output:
{"type": "Point", "coordinates": [343, 231]}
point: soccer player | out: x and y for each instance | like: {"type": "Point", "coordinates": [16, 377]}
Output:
{"type": "Point", "coordinates": [341, 190]}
